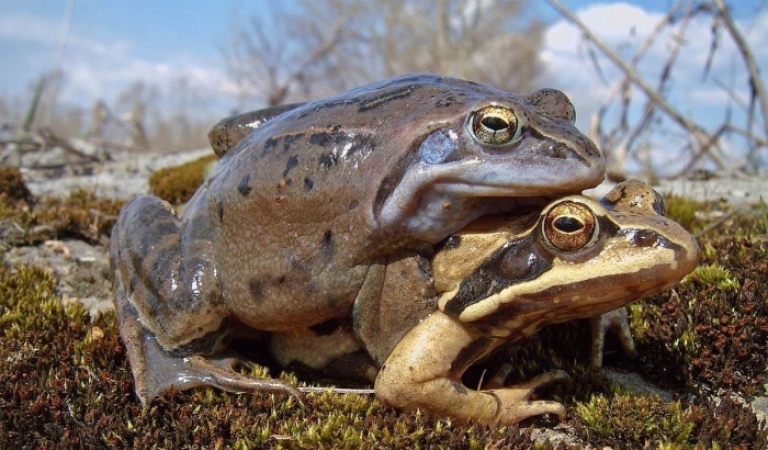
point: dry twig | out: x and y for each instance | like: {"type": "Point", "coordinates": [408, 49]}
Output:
{"type": "Point", "coordinates": [623, 138]}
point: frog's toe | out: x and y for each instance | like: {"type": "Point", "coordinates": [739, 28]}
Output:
{"type": "Point", "coordinates": [204, 372]}
{"type": "Point", "coordinates": [163, 372]}
{"type": "Point", "coordinates": [514, 412]}
{"type": "Point", "coordinates": [616, 321]}
{"type": "Point", "coordinates": [515, 404]}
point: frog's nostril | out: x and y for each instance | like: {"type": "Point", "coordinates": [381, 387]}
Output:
{"type": "Point", "coordinates": [560, 150]}
{"type": "Point", "coordinates": [645, 238]}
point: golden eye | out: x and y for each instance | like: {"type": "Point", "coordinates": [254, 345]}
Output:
{"type": "Point", "coordinates": [570, 226]}
{"type": "Point", "coordinates": [495, 125]}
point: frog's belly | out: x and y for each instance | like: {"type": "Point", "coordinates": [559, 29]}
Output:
{"type": "Point", "coordinates": [286, 300]}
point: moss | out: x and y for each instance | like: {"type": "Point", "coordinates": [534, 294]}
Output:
{"type": "Point", "coordinates": [81, 215]}
{"type": "Point", "coordinates": [65, 383]}
{"type": "Point", "coordinates": [637, 420]}
{"type": "Point", "coordinates": [711, 332]}
{"type": "Point", "coordinates": [714, 275]}
{"type": "Point", "coordinates": [12, 185]}
{"type": "Point", "coordinates": [685, 211]}
{"type": "Point", "coordinates": [177, 184]}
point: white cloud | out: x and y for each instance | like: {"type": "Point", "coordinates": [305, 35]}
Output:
{"type": "Point", "coordinates": [97, 67]}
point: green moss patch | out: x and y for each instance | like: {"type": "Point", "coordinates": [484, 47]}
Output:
{"type": "Point", "coordinates": [177, 184]}
{"type": "Point", "coordinates": [639, 420]}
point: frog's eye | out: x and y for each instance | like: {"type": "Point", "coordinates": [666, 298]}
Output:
{"type": "Point", "coordinates": [495, 125]}
{"type": "Point", "coordinates": [570, 226]}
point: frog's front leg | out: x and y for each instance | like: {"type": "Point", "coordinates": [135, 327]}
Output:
{"type": "Point", "coordinates": [168, 306]}
{"type": "Point", "coordinates": [616, 321]}
{"type": "Point", "coordinates": [424, 371]}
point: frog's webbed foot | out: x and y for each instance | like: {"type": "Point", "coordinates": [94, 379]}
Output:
{"type": "Point", "coordinates": [163, 372]}
{"type": "Point", "coordinates": [155, 371]}
{"type": "Point", "coordinates": [515, 404]}
{"type": "Point", "coordinates": [616, 321]}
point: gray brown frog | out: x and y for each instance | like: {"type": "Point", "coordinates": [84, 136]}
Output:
{"type": "Point", "coordinates": [311, 203]}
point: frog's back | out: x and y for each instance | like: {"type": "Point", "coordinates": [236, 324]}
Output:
{"type": "Point", "coordinates": [295, 201]}
{"type": "Point", "coordinates": [325, 168]}
{"type": "Point", "coordinates": [302, 205]}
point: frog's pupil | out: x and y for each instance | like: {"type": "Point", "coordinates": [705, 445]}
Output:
{"type": "Point", "coordinates": [494, 123]}
{"type": "Point", "coordinates": [568, 224]}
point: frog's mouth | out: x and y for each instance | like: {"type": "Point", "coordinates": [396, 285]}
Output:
{"type": "Point", "coordinates": [429, 200]}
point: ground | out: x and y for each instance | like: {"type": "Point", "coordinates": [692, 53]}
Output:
{"type": "Point", "coordinates": [698, 380]}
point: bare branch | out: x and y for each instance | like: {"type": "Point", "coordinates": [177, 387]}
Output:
{"type": "Point", "coordinates": [704, 140]}
{"type": "Point", "coordinates": [755, 82]}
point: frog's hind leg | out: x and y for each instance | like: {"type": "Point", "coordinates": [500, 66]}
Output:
{"type": "Point", "coordinates": [167, 267]}
{"type": "Point", "coordinates": [156, 371]}
{"type": "Point", "coordinates": [167, 310]}
{"type": "Point", "coordinates": [424, 371]}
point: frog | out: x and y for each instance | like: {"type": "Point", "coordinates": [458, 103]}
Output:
{"type": "Point", "coordinates": [502, 278]}
{"type": "Point", "coordinates": [310, 203]}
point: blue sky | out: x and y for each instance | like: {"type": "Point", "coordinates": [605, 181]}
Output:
{"type": "Point", "coordinates": [113, 43]}
{"type": "Point", "coordinates": [177, 32]}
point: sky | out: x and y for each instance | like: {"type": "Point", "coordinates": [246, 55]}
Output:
{"type": "Point", "coordinates": [114, 43]}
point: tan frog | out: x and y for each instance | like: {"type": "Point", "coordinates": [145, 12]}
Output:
{"type": "Point", "coordinates": [501, 279]}
{"type": "Point", "coordinates": [308, 204]}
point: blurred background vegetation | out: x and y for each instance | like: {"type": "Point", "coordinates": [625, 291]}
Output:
{"type": "Point", "coordinates": [320, 47]}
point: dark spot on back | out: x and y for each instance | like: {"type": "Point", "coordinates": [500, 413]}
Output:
{"type": "Point", "coordinates": [446, 102]}
{"type": "Point", "coordinates": [220, 211]}
{"type": "Point", "coordinates": [321, 139]}
{"type": "Point", "coordinates": [325, 328]}
{"type": "Point", "coordinates": [353, 205]}
{"type": "Point", "coordinates": [256, 288]}
{"type": "Point", "coordinates": [293, 161]}
{"type": "Point", "coordinates": [243, 186]}
{"type": "Point", "coordinates": [328, 247]}
{"type": "Point", "coordinates": [364, 142]}
{"type": "Point", "coordinates": [270, 143]}
{"type": "Point", "coordinates": [290, 139]}
{"type": "Point", "coordinates": [308, 184]}
{"type": "Point", "coordinates": [387, 97]}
